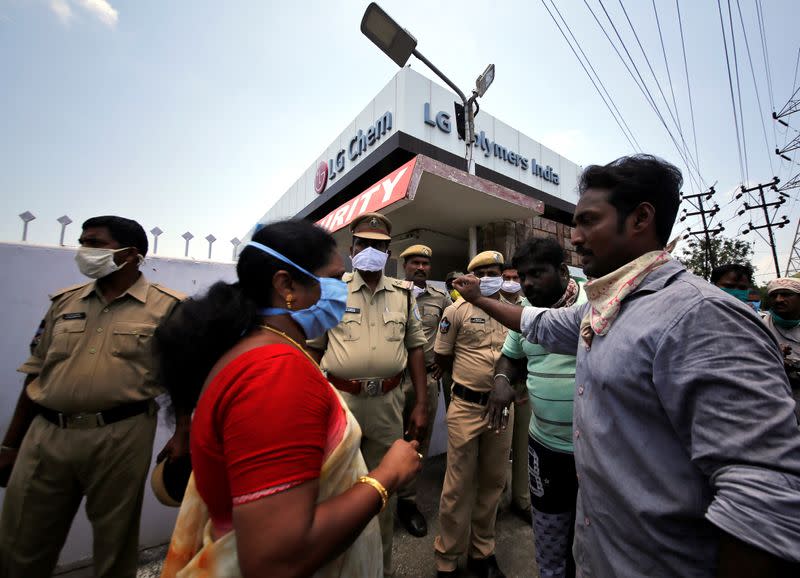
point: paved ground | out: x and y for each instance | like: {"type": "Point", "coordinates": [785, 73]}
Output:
{"type": "Point", "coordinates": [414, 556]}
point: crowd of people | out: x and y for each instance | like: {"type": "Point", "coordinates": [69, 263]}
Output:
{"type": "Point", "coordinates": [649, 414]}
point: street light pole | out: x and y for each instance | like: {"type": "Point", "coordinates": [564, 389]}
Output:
{"type": "Point", "coordinates": [399, 44]}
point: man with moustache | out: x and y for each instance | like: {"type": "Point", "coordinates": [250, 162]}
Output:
{"type": "Point", "coordinates": [365, 357]}
{"type": "Point", "coordinates": [783, 320]}
{"type": "Point", "coordinates": [86, 418]}
{"type": "Point", "coordinates": [686, 444]}
{"type": "Point", "coordinates": [431, 302]}
{"type": "Point", "coordinates": [550, 386]}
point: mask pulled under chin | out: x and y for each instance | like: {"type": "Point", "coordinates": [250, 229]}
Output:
{"type": "Point", "coordinates": [785, 323]}
{"type": "Point", "coordinates": [97, 263]}
{"type": "Point", "coordinates": [490, 285]}
{"type": "Point", "coordinates": [370, 259]}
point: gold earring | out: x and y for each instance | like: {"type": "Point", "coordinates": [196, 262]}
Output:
{"type": "Point", "coordinates": [289, 299]}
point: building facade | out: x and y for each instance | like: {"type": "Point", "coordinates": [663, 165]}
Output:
{"type": "Point", "coordinates": [402, 156]}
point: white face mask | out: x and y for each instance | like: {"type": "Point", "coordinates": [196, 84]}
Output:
{"type": "Point", "coordinates": [510, 287]}
{"type": "Point", "coordinates": [97, 263]}
{"type": "Point", "coordinates": [417, 291]}
{"type": "Point", "coordinates": [370, 259]}
{"type": "Point", "coordinates": [490, 285]}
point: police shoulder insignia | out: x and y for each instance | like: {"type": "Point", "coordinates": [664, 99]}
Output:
{"type": "Point", "coordinates": [37, 337]}
{"type": "Point", "coordinates": [444, 325]}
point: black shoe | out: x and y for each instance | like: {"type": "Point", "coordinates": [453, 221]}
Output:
{"type": "Point", "coordinates": [522, 513]}
{"type": "Point", "coordinates": [448, 574]}
{"type": "Point", "coordinates": [411, 518]}
{"type": "Point", "coordinates": [485, 567]}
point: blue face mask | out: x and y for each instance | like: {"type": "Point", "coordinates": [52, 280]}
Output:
{"type": "Point", "coordinates": [740, 294]}
{"type": "Point", "coordinates": [325, 314]}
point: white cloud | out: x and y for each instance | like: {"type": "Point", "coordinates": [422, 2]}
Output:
{"type": "Point", "coordinates": [62, 10]}
{"type": "Point", "coordinates": [102, 10]}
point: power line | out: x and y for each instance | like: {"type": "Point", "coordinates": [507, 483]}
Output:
{"type": "Point", "coordinates": [688, 84]}
{"type": "Point", "coordinates": [755, 85]}
{"type": "Point", "coordinates": [765, 50]}
{"type": "Point", "coordinates": [645, 90]}
{"type": "Point", "coordinates": [739, 92]}
{"type": "Point", "coordinates": [666, 63]}
{"type": "Point", "coordinates": [730, 84]}
{"type": "Point", "coordinates": [631, 139]}
{"type": "Point", "coordinates": [655, 77]}
{"type": "Point", "coordinates": [765, 55]}
{"type": "Point", "coordinates": [599, 80]}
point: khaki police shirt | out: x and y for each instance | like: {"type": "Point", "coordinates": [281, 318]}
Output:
{"type": "Point", "coordinates": [475, 340]}
{"type": "Point", "coordinates": [94, 355]}
{"type": "Point", "coordinates": [431, 304]}
{"type": "Point", "coordinates": [377, 330]}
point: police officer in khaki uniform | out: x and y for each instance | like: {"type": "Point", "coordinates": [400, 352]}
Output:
{"type": "Point", "coordinates": [511, 291]}
{"type": "Point", "coordinates": [431, 302]}
{"type": "Point", "coordinates": [366, 355]}
{"type": "Point", "coordinates": [470, 342]}
{"type": "Point", "coordinates": [85, 421]}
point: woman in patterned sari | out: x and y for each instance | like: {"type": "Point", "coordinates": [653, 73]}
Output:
{"type": "Point", "coordinates": [279, 485]}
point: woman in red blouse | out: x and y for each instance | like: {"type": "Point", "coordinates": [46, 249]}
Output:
{"type": "Point", "coordinates": [279, 485]}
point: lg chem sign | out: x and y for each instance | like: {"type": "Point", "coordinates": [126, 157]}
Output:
{"type": "Point", "coordinates": [359, 144]}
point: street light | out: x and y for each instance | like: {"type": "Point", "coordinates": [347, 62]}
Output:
{"type": "Point", "coordinates": [395, 41]}
{"type": "Point", "coordinates": [399, 44]}
{"type": "Point", "coordinates": [485, 80]}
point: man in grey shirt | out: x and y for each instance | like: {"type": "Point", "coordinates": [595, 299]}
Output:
{"type": "Point", "coordinates": [687, 448]}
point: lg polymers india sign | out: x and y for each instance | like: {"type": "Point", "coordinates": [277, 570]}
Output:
{"type": "Point", "coordinates": [443, 122]}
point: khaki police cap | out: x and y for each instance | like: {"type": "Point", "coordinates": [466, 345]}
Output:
{"type": "Point", "coordinates": [485, 258]}
{"type": "Point", "coordinates": [371, 226]}
{"type": "Point", "coordinates": [417, 250]}
{"type": "Point", "coordinates": [169, 480]}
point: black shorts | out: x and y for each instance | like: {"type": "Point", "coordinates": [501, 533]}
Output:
{"type": "Point", "coordinates": [553, 483]}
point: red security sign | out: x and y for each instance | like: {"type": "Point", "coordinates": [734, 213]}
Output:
{"type": "Point", "coordinates": [321, 178]}
{"type": "Point", "coordinates": [388, 191]}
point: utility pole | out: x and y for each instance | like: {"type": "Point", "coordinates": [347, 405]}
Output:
{"type": "Point", "coordinates": [793, 266]}
{"type": "Point", "coordinates": [706, 215]}
{"type": "Point", "coordinates": [764, 205]}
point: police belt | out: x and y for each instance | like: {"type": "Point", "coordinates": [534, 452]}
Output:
{"type": "Point", "coordinates": [88, 420]}
{"type": "Point", "coordinates": [470, 395]}
{"type": "Point", "coordinates": [372, 387]}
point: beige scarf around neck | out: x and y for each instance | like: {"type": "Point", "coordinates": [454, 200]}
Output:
{"type": "Point", "coordinates": [607, 293]}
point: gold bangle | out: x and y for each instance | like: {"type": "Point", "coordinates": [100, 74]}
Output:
{"type": "Point", "coordinates": [379, 487]}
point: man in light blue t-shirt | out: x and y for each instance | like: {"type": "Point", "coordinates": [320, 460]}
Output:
{"type": "Point", "coordinates": [551, 383]}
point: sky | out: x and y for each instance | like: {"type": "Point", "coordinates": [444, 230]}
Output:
{"type": "Point", "coordinates": [197, 116]}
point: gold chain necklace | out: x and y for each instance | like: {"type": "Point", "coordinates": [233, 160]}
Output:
{"type": "Point", "coordinates": [293, 342]}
